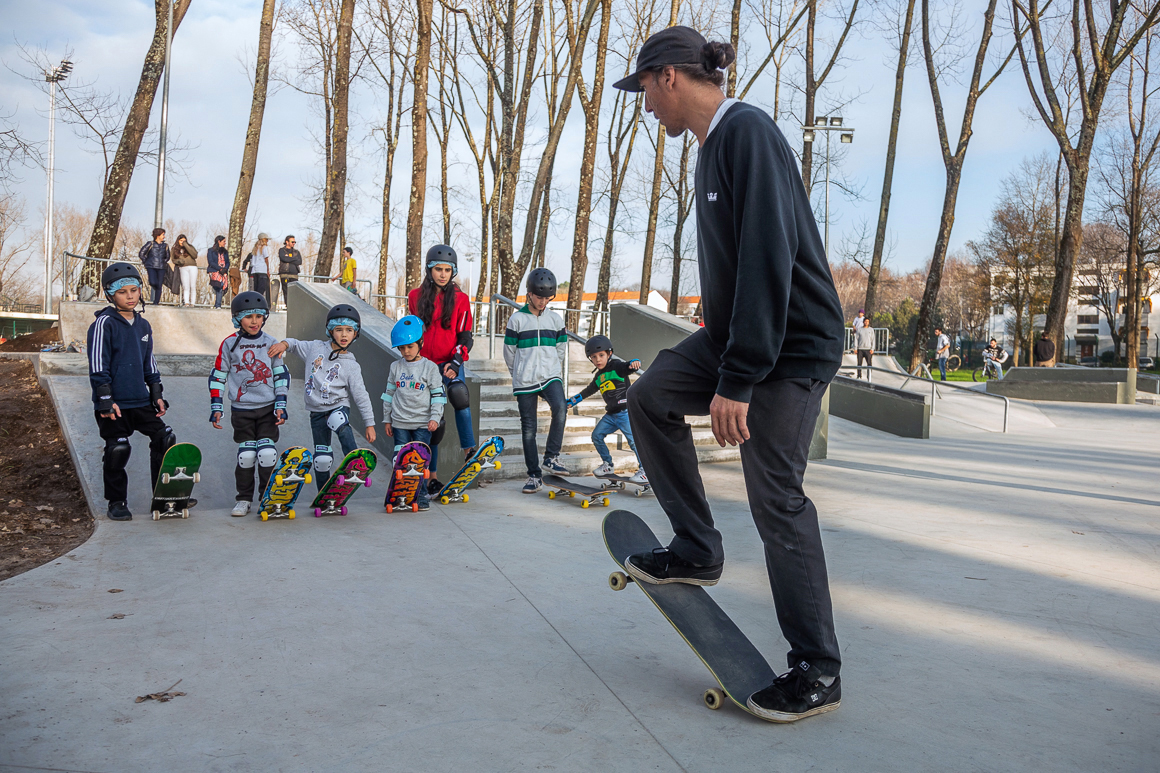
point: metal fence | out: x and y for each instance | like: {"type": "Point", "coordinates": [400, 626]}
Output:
{"type": "Point", "coordinates": [881, 340]}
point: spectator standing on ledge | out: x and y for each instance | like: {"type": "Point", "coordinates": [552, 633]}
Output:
{"type": "Point", "coordinates": [154, 256]}
{"type": "Point", "coordinates": [259, 266]}
{"type": "Point", "coordinates": [289, 264]}
{"type": "Point", "coordinates": [942, 347]}
{"type": "Point", "coordinates": [185, 261]}
{"type": "Point", "coordinates": [349, 272]}
{"type": "Point", "coordinates": [864, 344]}
{"type": "Point", "coordinates": [860, 320]}
{"type": "Point", "coordinates": [217, 259]}
{"type": "Point", "coordinates": [1044, 351]}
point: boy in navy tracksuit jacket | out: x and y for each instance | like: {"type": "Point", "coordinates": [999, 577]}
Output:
{"type": "Point", "coordinates": [127, 392]}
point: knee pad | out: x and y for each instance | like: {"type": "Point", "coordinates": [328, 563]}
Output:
{"type": "Point", "coordinates": [437, 435]}
{"type": "Point", "coordinates": [166, 440]}
{"type": "Point", "coordinates": [323, 459]}
{"type": "Point", "coordinates": [117, 452]}
{"type": "Point", "coordinates": [337, 419]}
{"type": "Point", "coordinates": [458, 395]}
{"type": "Point", "coordinates": [247, 454]}
{"type": "Point", "coordinates": [267, 454]}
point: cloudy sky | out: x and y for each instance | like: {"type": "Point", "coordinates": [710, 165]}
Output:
{"type": "Point", "coordinates": [209, 107]}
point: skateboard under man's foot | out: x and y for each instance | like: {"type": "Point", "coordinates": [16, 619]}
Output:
{"type": "Point", "coordinates": [592, 494]}
{"type": "Point", "coordinates": [354, 471]}
{"type": "Point", "coordinates": [481, 460]}
{"type": "Point", "coordinates": [286, 484]}
{"type": "Point", "coordinates": [731, 658]}
{"type": "Point", "coordinates": [412, 469]}
{"type": "Point", "coordinates": [619, 482]}
{"type": "Point", "coordinates": [179, 471]}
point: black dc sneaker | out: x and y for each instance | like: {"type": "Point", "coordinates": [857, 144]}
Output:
{"type": "Point", "coordinates": [663, 566]}
{"type": "Point", "coordinates": [434, 486]}
{"type": "Point", "coordinates": [119, 511]}
{"type": "Point", "coordinates": [796, 695]}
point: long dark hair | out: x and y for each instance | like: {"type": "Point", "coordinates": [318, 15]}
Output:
{"type": "Point", "coordinates": [427, 292]}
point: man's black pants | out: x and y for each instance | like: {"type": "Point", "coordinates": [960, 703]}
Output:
{"type": "Point", "coordinates": [782, 413]}
{"type": "Point", "coordinates": [116, 432]}
{"type": "Point", "coordinates": [868, 356]}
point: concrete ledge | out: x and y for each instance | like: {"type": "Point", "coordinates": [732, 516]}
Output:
{"type": "Point", "coordinates": [1121, 393]}
{"type": "Point", "coordinates": [896, 411]}
{"type": "Point", "coordinates": [73, 364]}
{"type": "Point", "coordinates": [1072, 375]}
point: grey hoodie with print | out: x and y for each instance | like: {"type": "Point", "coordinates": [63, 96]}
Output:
{"type": "Point", "coordinates": [331, 383]}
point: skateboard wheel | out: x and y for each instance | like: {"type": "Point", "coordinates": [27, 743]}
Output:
{"type": "Point", "coordinates": [713, 698]}
{"type": "Point", "coordinates": [164, 477]}
{"type": "Point", "coordinates": [444, 501]}
{"type": "Point", "coordinates": [465, 497]}
{"type": "Point", "coordinates": [156, 515]}
{"type": "Point", "coordinates": [290, 515]}
{"type": "Point", "coordinates": [278, 480]}
{"type": "Point", "coordinates": [426, 474]}
{"type": "Point", "coordinates": [341, 480]}
{"type": "Point", "coordinates": [184, 513]}
{"type": "Point", "coordinates": [342, 510]}
{"type": "Point", "coordinates": [639, 492]}
{"type": "Point", "coordinates": [197, 477]}
{"type": "Point", "coordinates": [317, 512]}
{"type": "Point", "coordinates": [414, 507]}
{"type": "Point", "coordinates": [497, 465]}
{"type": "Point", "coordinates": [571, 494]}
{"type": "Point", "coordinates": [399, 475]}
{"type": "Point", "coordinates": [584, 504]}
{"type": "Point", "coordinates": [551, 495]}
{"type": "Point", "coordinates": [265, 516]}
{"type": "Point", "coordinates": [618, 580]}
{"type": "Point", "coordinates": [390, 508]}
{"type": "Point", "coordinates": [606, 501]}
{"type": "Point", "coordinates": [367, 482]}
{"type": "Point", "coordinates": [307, 478]}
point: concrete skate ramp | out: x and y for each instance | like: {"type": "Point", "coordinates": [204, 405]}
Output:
{"type": "Point", "coordinates": [176, 329]}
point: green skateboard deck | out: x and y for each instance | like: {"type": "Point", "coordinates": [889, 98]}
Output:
{"type": "Point", "coordinates": [179, 471]}
{"type": "Point", "coordinates": [479, 461]}
{"type": "Point", "coordinates": [285, 484]}
{"type": "Point", "coordinates": [354, 471]}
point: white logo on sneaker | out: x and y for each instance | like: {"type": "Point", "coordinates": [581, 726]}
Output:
{"type": "Point", "coordinates": [814, 697]}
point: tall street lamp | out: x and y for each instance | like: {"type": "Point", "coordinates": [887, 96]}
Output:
{"type": "Point", "coordinates": [846, 135]}
{"type": "Point", "coordinates": [52, 77]}
{"type": "Point", "coordinates": [160, 203]}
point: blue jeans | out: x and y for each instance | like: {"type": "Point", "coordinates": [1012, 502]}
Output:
{"type": "Point", "coordinates": [404, 436]}
{"type": "Point", "coordinates": [611, 422]}
{"type": "Point", "coordinates": [462, 422]}
{"type": "Point", "coordinates": [553, 395]}
{"type": "Point", "coordinates": [942, 367]}
{"type": "Point", "coordinates": [321, 433]}
{"type": "Point", "coordinates": [156, 279]}
{"type": "Point", "coordinates": [217, 298]}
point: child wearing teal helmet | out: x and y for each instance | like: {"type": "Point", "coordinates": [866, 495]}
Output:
{"type": "Point", "coordinates": [414, 398]}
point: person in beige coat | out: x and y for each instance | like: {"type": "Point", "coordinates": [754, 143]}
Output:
{"type": "Point", "coordinates": [184, 258]}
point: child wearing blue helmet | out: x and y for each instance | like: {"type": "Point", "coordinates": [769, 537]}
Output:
{"type": "Point", "coordinates": [414, 398]}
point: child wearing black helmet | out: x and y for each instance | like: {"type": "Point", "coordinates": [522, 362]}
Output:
{"type": "Point", "coordinates": [333, 379]}
{"type": "Point", "coordinates": [127, 391]}
{"type": "Point", "coordinates": [256, 386]}
{"type": "Point", "coordinates": [611, 381]}
{"type": "Point", "coordinates": [533, 348]}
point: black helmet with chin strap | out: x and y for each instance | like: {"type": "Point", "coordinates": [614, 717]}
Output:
{"type": "Point", "coordinates": [441, 253]}
{"type": "Point", "coordinates": [339, 316]}
{"type": "Point", "coordinates": [542, 282]}
{"type": "Point", "coordinates": [117, 275]}
{"type": "Point", "coordinates": [597, 344]}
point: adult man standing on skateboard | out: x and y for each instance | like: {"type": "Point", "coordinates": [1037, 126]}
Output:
{"type": "Point", "coordinates": [772, 341]}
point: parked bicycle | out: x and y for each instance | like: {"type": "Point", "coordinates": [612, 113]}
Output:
{"type": "Point", "coordinates": [989, 370]}
{"type": "Point", "coordinates": [954, 362]}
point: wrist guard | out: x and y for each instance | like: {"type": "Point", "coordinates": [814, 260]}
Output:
{"type": "Point", "coordinates": [155, 391]}
{"type": "Point", "coordinates": [104, 398]}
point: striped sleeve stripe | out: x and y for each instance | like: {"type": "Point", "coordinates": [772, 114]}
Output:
{"type": "Point", "coordinates": [97, 350]}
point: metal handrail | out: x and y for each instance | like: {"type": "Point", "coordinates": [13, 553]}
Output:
{"type": "Point", "coordinates": [934, 385]}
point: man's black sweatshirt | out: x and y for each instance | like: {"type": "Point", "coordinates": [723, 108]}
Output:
{"type": "Point", "coordinates": [767, 295]}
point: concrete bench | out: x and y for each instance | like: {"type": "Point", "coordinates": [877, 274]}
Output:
{"type": "Point", "coordinates": [1075, 385]}
{"type": "Point", "coordinates": [896, 411]}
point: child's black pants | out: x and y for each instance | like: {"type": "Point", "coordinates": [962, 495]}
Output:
{"type": "Point", "coordinates": [116, 433]}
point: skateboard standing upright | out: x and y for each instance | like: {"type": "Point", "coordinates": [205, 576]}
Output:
{"type": "Point", "coordinates": [482, 459]}
{"type": "Point", "coordinates": [174, 484]}
{"type": "Point", "coordinates": [591, 494]}
{"type": "Point", "coordinates": [731, 658]}
{"type": "Point", "coordinates": [412, 469]}
{"type": "Point", "coordinates": [619, 482]}
{"type": "Point", "coordinates": [285, 484]}
{"type": "Point", "coordinates": [354, 471]}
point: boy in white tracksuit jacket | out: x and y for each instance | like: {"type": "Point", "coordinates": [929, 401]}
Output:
{"type": "Point", "coordinates": [533, 349]}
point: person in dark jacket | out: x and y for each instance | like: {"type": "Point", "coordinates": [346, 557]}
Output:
{"type": "Point", "coordinates": [154, 255]}
{"type": "Point", "coordinates": [1044, 351]}
{"type": "Point", "coordinates": [289, 265]}
{"type": "Point", "coordinates": [127, 391]}
{"type": "Point", "coordinates": [772, 341]}
{"type": "Point", "coordinates": [218, 265]}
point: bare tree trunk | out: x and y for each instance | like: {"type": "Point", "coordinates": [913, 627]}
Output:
{"type": "Point", "coordinates": [618, 170]}
{"type": "Point", "coordinates": [414, 253]}
{"type": "Point", "coordinates": [888, 176]}
{"type": "Point", "coordinates": [591, 105]}
{"type": "Point", "coordinates": [541, 250]}
{"type": "Point", "coordinates": [735, 40]}
{"type": "Point", "coordinates": [684, 206]}
{"type": "Point", "coordinates": [336, 200]}
{"type": "Point", "coordinates": [253, 133]}
{"type": "Point", "coordinates": [108, 220]}
{"type": "Point", "coordinates": [815, 80]}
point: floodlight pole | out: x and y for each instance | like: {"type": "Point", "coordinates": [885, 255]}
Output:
{"type": "Point", "coordinates": [53, 77]}
{"type": "Point", "coordinates": [827, 125]}
{"type": "Point", "coordinates": [159, 207]}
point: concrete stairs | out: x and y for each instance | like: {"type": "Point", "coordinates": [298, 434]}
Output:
{"type": "Point", "coordinates": [499, 415]}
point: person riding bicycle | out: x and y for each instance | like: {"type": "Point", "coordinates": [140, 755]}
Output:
{"type": "Point", "coordinates": [996, 355]}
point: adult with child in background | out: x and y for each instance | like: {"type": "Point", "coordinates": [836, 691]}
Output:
{"type": "Point", "coordinates": [289, 266]}
{"type": "Point", "coordinates": [185, 263]}
{"type": "Point", "coordinates": [445, 311]}
{"type": "Point", "coordinates": [772, 341]}
{"type": "Point", "coordinates": [154, 255]}
{"type": "Point", "coordinates": [217, 259]}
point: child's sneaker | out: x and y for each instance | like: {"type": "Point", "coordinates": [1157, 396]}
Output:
{"type": "Point", "coordinates": [533, 484]}
{"type": "Point", "coordinates": [423, 504]}
{"type": "Point", "coordinates": [119, 511]}
{"type": "Point", "coordinates": [552, 464]}
{"type": "Point", "coordinates": [240, 509]}
{"type": "Point", "coordinates": [795, 695]}
{"type": "Point", "coordinates": [604, 469]}
{"type": "Point", "coordinates": [434, 486]}
{"type": "Point", "coordinates": [639, 476]}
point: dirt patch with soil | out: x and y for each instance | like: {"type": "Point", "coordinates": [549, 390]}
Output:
{"type": "Point", "coordinates": [43, 513]}
{"type": "Point", "coordinates": [32, 342]}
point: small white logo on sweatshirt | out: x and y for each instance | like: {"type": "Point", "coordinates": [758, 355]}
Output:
{"type": "Point", "coordinates": [712, 197]}
{"type": "Point", "coordinates": [145, 337]}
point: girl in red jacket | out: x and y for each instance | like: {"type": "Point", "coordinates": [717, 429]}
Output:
{"type": "Point", "coordinates": [447, 324]}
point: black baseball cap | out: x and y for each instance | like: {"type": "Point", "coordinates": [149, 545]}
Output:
{"type": "Point", "coordinates": [674, 45]}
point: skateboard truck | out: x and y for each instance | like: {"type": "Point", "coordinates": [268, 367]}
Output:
{"type": "Point", "coordinates": [170, 511]}
{"type": "Point", "coordinates": [411, 472]}
{"type": "Point", "coordinates": [330, 509]}
{"type": "Point", "coordinates": [180, 474]}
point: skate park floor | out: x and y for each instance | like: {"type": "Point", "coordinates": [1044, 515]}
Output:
{"type": "Point", "coordinates": [996, 599]}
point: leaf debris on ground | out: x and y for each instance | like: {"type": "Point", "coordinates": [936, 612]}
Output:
{"type": "Point", "coordinates": [161, 697]}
